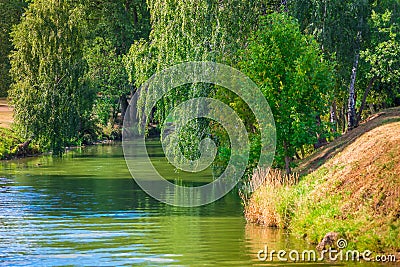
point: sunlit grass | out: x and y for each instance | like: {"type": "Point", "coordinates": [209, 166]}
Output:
{"type": "Point", "coordinates": [356, 194]}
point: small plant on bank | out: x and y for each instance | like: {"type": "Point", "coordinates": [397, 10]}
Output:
{"type": "Point", "coordinates": [12, 146]}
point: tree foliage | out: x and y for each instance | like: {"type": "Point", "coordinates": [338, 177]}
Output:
{"type": "Point", "coordinates": [10, 12]}
{"type": "Point", "coordinates": [52, 101]}
{"type": "Point", "coordinates": [383, 57]}
{"type": "Point", "coordinates": [342, 31]}
{"type": "Point", "coordinates": [294, 77]}
{"type": "Point", "coordinates": [107, 77]}
{"type": "Point", "coordinates": [77, 61]}
{"type": "Point", "coordinates": [346, 31]}
{"type": "Point", "coordinates": [115, 26]}
{"type": "Point", "coordinates": [190, 31]}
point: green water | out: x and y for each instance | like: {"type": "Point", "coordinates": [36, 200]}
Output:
{"type": "Point", "coordinates": [86, 210]}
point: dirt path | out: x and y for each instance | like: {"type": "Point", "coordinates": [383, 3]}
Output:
{"type": "Point", "coordinates": [6, 113]}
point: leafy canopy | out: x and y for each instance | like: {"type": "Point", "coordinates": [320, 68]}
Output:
{"type": "Point", "coordinates": [52, 101]}
{"type": "Point", "coordinates": [296, 80]}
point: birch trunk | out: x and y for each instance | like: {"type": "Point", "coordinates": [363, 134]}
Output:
{"type": "Point", "coordinates": [351, 113]}
{"type": "Point", "coordinates": [351, 108]}
{"type": "Point", "coordinates": [333, 116]}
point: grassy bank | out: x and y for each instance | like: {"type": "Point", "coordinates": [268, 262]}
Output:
{"type": "Point", "coordinates": [11, 146]}
{"type": "Point", "coordinates": [351, 187]}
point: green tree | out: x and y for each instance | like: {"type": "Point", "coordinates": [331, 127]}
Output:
{"type": "Point", "coordinates": [188, 31]}
{"type": "Point", "coordinates": [295, 78]}
{"type": "Point", "coordinates": [342, 30]}
{"type": "Point", "coordinates": [52, 101]}
{"type": "Point", "coordinates": [120, 21]}
{"type": "Point", "coordinates": [107, 76]}
{"type": "Point", "coordinates": [115, 26]}
{"type": "Point", "coordinates": [191, 31]}
{"type": "Point", "coordinates": [10, 13]}
{"type": "Point", "coordinates": [202, 30]}
{"type": "Point", "coordinates": [383, 56]}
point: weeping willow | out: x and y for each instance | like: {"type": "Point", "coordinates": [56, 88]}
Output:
{"type": "Point", "coordinates": [184, 31]}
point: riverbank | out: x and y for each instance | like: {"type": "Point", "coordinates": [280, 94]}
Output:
{"type": "Point", "coordinates": [351, 187]}
{"type": "Point", "coordinates": [12, 146]}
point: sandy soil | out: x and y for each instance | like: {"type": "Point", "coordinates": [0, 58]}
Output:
{"type": "Point", "coordinates": [6, 114]}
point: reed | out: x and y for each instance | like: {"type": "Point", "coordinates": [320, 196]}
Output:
{"type": "Point", "coordinates": [266, 177]}
{"type": "Point", "coordinates": [266, 197]}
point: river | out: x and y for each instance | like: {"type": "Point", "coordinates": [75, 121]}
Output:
{"type": "Point", "coordinates": [85, 210]}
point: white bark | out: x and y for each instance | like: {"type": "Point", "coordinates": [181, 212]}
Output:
{"type": "Point", "coordinates": [352, 95]}
{"type": "Point", "coordinates": [351, 113]}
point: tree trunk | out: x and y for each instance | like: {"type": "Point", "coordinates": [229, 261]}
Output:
{"type": "Point", "coordinates": [351, 113]}
{"type": "Point", "coordinates": [124, 107]}
{"type": "Point", "coordinates": [371, 108]}
{"type": "Point", "coordinates": [287, 159]}
{"type": "Point", "coordinates": [287, 165]}
{"type": "Point", "coordinates": [344, 116]}
{"type": "Point", "coordinates": [127, 5]}
{"type": "Point", "coordinates": [321, 141]}
{"type": "Point", "coordinates": [285, 5]}
{"type": "Point", "coordinates": [333, 116]}
{"type": "Point", "coordinates": [23, 148]}
{"type": "Point", "coordinates": [371, 83]}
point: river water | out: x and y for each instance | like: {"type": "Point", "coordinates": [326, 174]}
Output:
{"type": "Point", "coordinates": [85, 210]}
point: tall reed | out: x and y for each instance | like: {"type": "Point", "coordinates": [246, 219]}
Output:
{"type": "Point", "coordinates": [266, 197]}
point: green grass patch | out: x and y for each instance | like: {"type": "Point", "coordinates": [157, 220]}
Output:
{"type": "Point", "coordinates": [10, 145]}
{"type": "Point", "coordinates": [313, 218]}
{"type": "Point", "coordinates": [8, 142]}
{"type": "Point", "coordinates": [390, 120]}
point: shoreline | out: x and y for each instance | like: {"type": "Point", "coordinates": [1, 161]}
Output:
{"type": "Point", "coordinates": [353, 191]}
{"type": "Point", "coordinates": [17, 150]}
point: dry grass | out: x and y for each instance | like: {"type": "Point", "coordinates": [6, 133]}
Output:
{"type": "Point", "coordinates": [356, 191]}
{"type": "Point", "coordinates": [271, 178]}
{"type": "Point", "coordinates": [367, 170]}
{"type": "Point", "coordinates": [359, 195]}
{"type": "Point", "coordinates": [369, 174]}
{"type": "Point", "coordinates": [334, 148]}
{"type": "Point", "coordinates": [268, 188]}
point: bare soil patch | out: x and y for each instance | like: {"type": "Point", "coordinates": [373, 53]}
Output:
{"type": "Point", "coordinates": [6, 113]}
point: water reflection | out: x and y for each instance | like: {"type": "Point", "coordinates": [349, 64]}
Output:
{"type": "Point", "coordinates": [85, 210]}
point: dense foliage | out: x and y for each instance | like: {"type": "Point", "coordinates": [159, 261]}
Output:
{"type": "Point", "coordinates": [76, 63]}
{"type": "Point", "coordinates": [10, 12]}
{"type": "Point", "coordinates": [115, 25]}
{"type": "Point", "coordinates": [345, 30]}
{"type": "Point", "coordinates": [52, 101]}
{"type": "Point", "coordinates": [296, 80]}
{"type": "Point", "coordinates": [191, 31]}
